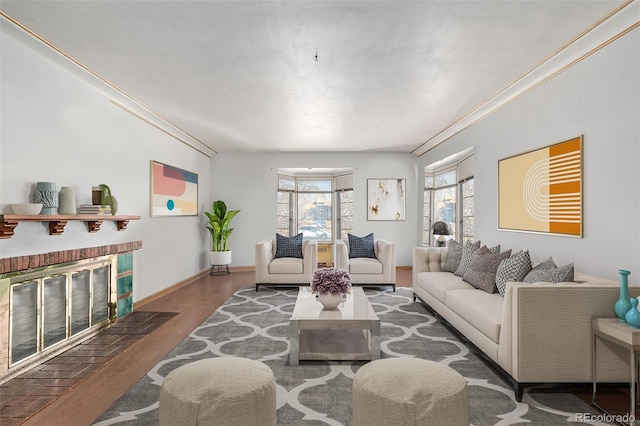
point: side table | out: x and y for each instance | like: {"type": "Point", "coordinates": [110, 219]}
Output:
{"type": "Point", "coordinates": [622, 334]}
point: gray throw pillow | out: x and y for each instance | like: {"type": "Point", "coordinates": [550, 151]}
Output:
{"type": "Point", "coordinates": [481, 272]}
{"type": "Point", "coordinates": [513, 269]}
{"type": "Point", "coordinates": [289, 246]}
{"type": "Point", "coordinates": [361, 247]}
{"type": "Point", "coordinates": [465, 260]}
{"type": "Point", "coordinates": [551, 275]}
{"type": "Point", "coordinates": [454, 254]}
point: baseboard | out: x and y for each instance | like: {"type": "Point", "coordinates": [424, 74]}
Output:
{"type": "Point", "coordinates": [140, 303]}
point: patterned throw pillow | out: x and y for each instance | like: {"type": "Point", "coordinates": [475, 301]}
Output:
{"type": "Point", "coordinates": [550, 275]}
{"type": "Point", "coordinates": [513, 269]}
{"type": "Point", "coordinates": [481, 272]}
{"type": "Point", "coordinates": [289, 246]}
{"type": "Point", "coordinates": [454, 255]}
{"type": "Point", "coordinates": [361, 247]}
{"type": "Point", "coordinates": [465, 260]}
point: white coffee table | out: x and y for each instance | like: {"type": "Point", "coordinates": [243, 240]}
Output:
{"type": "Point", "coordinates": [351, 332]}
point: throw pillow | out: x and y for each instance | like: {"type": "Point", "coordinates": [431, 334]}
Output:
{"type": "Point", "coordinates": [513, 269]}
{"type": "Point", "coordinates": [547, 264]}
{"type": "Point", "coordinates": [481, 272]}
{"type": "Point", "coordinates": [361, 246]}
{"type": "Point", "coordinates": [289, 246]}
{"type": "Point", "coordinates": [551, 275]}
{"type": "Point", "coordinates": [454, 254]}
{"type": "Point", "coordinates": [465, 260]}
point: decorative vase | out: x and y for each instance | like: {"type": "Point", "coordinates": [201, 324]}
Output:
{"type": "Point", "coordinates": [331, 301]}
{"type": "Point", "coordinates": [66, 201]}
{"type": "Point", "coordinates": [633, 316]}
{"type": "Point", "coordinates": [47, 195]}
{"type": "Point", "coordinates": [623, 304]}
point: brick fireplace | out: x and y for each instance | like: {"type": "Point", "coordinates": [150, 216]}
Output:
{"type": "Point", "coordinates": [50, 302]}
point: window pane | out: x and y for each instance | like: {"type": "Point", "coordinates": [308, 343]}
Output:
{"type": "Point", "coordinates": [284, 213]}
{"type": "Point", "coordinates": [428, 181]}
{"type": "Point", "coordinates": [467, 224]}
{"type": "Point", "coordinates": [467, 206]}
{"type": "Point", "coordinates": [446, 178]}
{"type": "Point", "coordinates": [444, 207]}
{"type": "Point", "coordinates": [468, 188]}
{"type": "Point", "coordinates": [285, 183]}
{"type": "Point", "coordinates": [306, 185]}
{"type": "Point", "coordinates": [314, 216]}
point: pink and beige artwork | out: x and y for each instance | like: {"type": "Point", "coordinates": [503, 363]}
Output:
{"type": "Point", "coordinates": [541, 190]}
{"type": "Point", "coordinates": [174, 192]}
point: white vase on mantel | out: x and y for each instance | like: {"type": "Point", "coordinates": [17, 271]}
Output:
{"type": "Point", "coordinates": [220, 258]}
{"type": "Point", "coordinates": [67, 201]}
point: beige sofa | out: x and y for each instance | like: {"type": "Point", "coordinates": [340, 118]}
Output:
{"type": "Point", "coordinates": [538, 333]}
{"type": "Point", "coordinates": [380, 271]}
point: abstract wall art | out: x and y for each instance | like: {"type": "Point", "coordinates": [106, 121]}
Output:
{"type": "Point", "coordinates": [174, 192]}
{"type": "Point", "coordinates": [386, 199]}
{"type": "Point", "coordinates": [541, 190]}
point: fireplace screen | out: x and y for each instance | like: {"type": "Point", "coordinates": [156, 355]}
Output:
{"type": "Point", "coordinates": [52, 305]}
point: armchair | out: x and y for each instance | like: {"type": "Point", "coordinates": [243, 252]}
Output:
{"type": "Point", "coordinates": [378, 271]}
{"type": "Point", "coordinates": [289, 271]}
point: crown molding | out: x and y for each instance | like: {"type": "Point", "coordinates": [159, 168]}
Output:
{"type": "Point", "coordinates": [616, 24]}
{"type": "Point", "coordinates": [117, 96]}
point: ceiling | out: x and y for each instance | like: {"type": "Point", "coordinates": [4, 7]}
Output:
{"type": "Point", "coordinates": [255, 76]}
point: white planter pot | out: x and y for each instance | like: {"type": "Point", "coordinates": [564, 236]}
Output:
{"type": "Point", "coordinates": [220, 257]}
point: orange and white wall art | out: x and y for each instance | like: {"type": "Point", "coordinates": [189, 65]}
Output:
{"type": "Point", "coordinates": [541, 190]}
{"type": "Point", "coordinates": [174, 192]}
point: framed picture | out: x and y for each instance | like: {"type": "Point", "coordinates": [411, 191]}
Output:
{"type": "Point", "coordinates": [174, 192]}
{"type": "Point", "coordinates": [386, 199]}
{"type": "Point", "coordinates": [541, 191]}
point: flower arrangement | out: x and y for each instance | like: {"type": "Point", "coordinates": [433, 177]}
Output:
{"type": "Point", "coordinates": [331, 281]}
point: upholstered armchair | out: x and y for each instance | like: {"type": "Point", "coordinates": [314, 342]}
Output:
{"type": "Point", "coordinates": [285, 267]}
{"type": "Point", "coordinates": [371, 264]}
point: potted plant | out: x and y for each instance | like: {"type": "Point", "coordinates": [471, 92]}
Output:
{"type": "Point", "coordinates": [219, 218]}
{"type": "Point", "coordinates": [331, 284]}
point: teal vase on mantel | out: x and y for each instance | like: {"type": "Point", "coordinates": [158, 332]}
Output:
{"type": "Point", "coordinates": [623, 305]}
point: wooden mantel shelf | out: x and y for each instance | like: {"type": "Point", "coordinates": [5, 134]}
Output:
{"type": "Point", "coordinates": [57, 222]}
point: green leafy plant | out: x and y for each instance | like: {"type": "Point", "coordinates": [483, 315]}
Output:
{"type": "Point", "coordinates": [219, 218]}
{"type": "Point", "coordinates": [108, 199]}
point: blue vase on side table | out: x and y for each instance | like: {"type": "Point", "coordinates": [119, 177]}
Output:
{"type": "Point", "coordinates": [623, 305]}
{"type": "Point", "coordinates": [633, 316]}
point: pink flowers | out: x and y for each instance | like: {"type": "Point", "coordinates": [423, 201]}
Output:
{"type": "Point", "coordinates": [331, 280]}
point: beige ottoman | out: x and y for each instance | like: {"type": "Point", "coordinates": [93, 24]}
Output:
{"type": "Point", "coordinates": [409, 391]}
{"type": "Point", "coordinates": [219, 391]}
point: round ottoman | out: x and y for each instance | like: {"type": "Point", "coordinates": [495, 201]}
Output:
{"type": "Point", "coordinates": [223, 391]}
{"type": "Point", "coordinates": [409, 391]}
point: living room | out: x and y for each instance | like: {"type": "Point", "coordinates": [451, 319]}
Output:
{"type": "Point", "coordinates": [61, 123]}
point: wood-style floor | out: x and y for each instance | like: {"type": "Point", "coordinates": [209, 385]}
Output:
{"type": "Point", "coordinates": [87, 399]}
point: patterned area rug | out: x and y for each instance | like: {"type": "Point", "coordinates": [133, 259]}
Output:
{"type": "Point", "coordinates": [255, 325]}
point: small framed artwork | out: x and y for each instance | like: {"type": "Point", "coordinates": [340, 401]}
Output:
{"type": "Point", "coordinates": [386, 199]}
{"type": "Point", "coordinates": [541, 191]}
{"type": "Point", "coordinates": [174, 192]}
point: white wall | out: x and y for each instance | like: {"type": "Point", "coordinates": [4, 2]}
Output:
{"type": "Point", "coordinates": [600, 98]}
{"type": "Point", "coordinates": [249, 182]}
{"type": "Point", "coordinates": [56, 127]}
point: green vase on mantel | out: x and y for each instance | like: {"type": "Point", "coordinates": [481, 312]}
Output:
{"type": "Point", "coordinates": [623, 305]}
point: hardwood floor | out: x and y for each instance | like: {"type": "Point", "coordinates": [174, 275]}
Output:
{"type": "Point", "coordinates": [87, 399]}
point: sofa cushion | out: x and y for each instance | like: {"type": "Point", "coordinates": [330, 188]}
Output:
{"type": "Point", "coordinates": [454, 255]}
{"type": "Point", "coordinates": [437, 284]}
{"type": "Point", "coordinates": [551, 275]}
{"type": "Point", "coordinates": [513, 269]}
{"type": "Point", "coordinates": [482, 310]}
{"type": "Point", "coordinates": [365, 265]}
{"type": "Point", "coordinates": [288, 246]}
{"type": "Point", "coordinates": [286, 265]}
{"type": "Point", "coordinates": [361, 246]}
{"type": "Point", "coordinates": [481, 272]}
{"type": "Point", "coordinates": [465, 260]}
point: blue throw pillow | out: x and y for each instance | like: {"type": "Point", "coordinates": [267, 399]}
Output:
{"type": "Point", "coordinates": [289, 246]}
{"type": "Point", "coordinates": [361, 247]}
